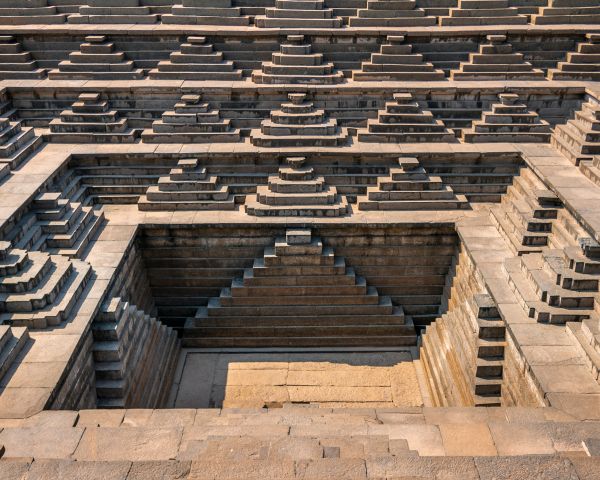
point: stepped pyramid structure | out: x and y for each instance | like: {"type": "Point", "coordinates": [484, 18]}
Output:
{"type": "Point", "coordinates": [296, 191]}
{"type": "Point", "coordinates": [134, 357]}
{"type": "Point", "coordinates": [96, 60]}
{"type": "Point", "coordinates": [403, 121]}
{"type": "Point", "coordinates": [391, 13]}
{"type": "Point", "coordinates": [409, 187]}
{"type": "Point", "coordinates": [298, 14]}
{"type": "Point", "coordinates": [396, 61]}
{"type": "Point", "coordinates": [568, 11]}
{"type": "Point", "coordinates": [298, 294]}
{"type": "Point", "coordinates": [20, 12]}
{"type": "Point", "coordinates": [582, 65]}
{"type": "Point", "coordinates": [295, 63]}
{"type": "Point", "coordinates": [579, 138]}
{"type": "Point", "coordinates": [16, 142]}
{"type": "Point", "coordinates": [15, 62]}
{"type": "Point", "coordinates": [91, 120]}
{"type": "Point", "coordinates": [508, 121]}
{"type": "Point", "coordinates": [496, 61]}
{"type": "Point", "coordinates": [299, 124]}
{"type": "Point", "coordinates": [197, 60]}
{"type": "Point", "coordinates": [58, 226]}
{"type": "Point", "coordinates": [191, 121]}
{"type": "Point", "coordinates": [37, 289]}
{"type": "Point", "coordinates": [187, 187]}
{"type": "Point", "coordinates": [113, 11]}
{"type": "Point", "coordinates": [206, 12]}
{"type": "Point", "coordinates": [484, 12]}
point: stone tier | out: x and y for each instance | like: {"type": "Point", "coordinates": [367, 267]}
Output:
{"type": "Point", "coordinates": [113, 11]}
{"type": "Point", "coordinates": [295, 63]}
{"type": "Point", "coordinates": [591, 169]}
{"type": "Point", "coordinates": [188, 187]}
{"type": "Point", "coordinates": [37, 289]}
{"type": "Point", "coordinates": [299, 124]}
{"type": "Point", "coordinates": [568, 11]}
{"type": "Point", "coordinates": [58, 226]}
{"type": "Point", "coordinates": [298, 14]}
{"type": "Point", "coordinates": [296, 191]}
{"type": "Point", "coordinates": [299, 294]}
{"type": "Point", "coordinates": [90, 120]}
{"type": "Point", "coordinates": [484, 12]}
{"type": "Point", "coordinates": [527, 214]}
{"type": "Point", "coordinates": [409, 187]}
{"type": "Point", "coordinates": [582, 65]}
{"type": "Point", "coordinates": [206, 12]}
{"type": "Point", "coordinates": [549, 287]}
{"type": "Point", "coordinates": [508, 121]}
{"type": "Point", "coordinates": [191, 121]}
{"type": "Point", "coordinates": [17, 63]}
{"type": "Point", "coordinates": [196, 60]}
{"type": "Point", "coordinates": [396, 61]}
{"type": "Point", "coordinates": [16, 143]}
{"type": "Point", "coordinates": [391, 13]}
{"type": "Point", "coordinates": [496, 61]}
{"type": "Point", "coordinates": [135, 357]}
{"type": "Point", "coordinates": [579, 138]}
{"type": "Point", "coordinates": [12, 341]}
{"type": "Point", "coordinates": [96, 60]}
{"type": "Point", "coordinates": [403, 121]}
{"type": "Point", "coordinates": [19, 12]}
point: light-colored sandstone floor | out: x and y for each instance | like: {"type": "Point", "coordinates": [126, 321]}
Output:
{"type": "Point", "coordinates": [330, 379]}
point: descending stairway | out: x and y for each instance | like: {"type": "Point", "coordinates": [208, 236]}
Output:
{"type": "Point", "coordinates": [12, 341]}
{"type": "Point", "coordinates": [298, 14]}
{"type": "Point", "coordinates": [403, 121]}
{"type": "Point", "coordinates": [37, 289]}
{"type": "Point", "coordinates": [581, 65]}
{"type": "Point", "coordinates": [205, 12]}
{"type": "Point", "coordinates": [484, 12]}
{"type": "Point", "coordinates": [409, 187]}
{"type": "Point", "coordinates": [134, 356]}
{"type": "Point", "coordinates": [191, 121]}
{"type": "Point", "coordinates": [20, 12]}
{"type": "Point", "coordinates": [113, 11]}
{"type": "Point", "coordinates": [16, 143]}
{"type": "Point", "coordinates": [391, 13]}
{"type": "Point", "coordinates": [579, 138]}
{"type": "Point", "coordinates": [15, 62]}
{"type": "Point", "coordinates": [187, 187]}
{"type": "Point", "coordinates": [568, 11]}
{"type": "Point", "coordinates": [299, 294]}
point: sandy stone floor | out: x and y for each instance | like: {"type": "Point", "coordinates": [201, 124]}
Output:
{"type": "Point", "coordinates": [331, 379]}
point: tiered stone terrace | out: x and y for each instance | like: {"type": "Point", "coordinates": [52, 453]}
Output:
{"type": "Point", "coordinates": [299, 239]}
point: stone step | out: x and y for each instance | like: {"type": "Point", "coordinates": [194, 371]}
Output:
{"type": "Point", "coordinates": [13, 340]}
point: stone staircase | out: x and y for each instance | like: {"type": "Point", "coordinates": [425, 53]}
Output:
{"type": "Point", "coordinates": [196, 60]}
{"type": "Point", "coordinates": [113, 11]}
{"type": "Point", "coordinates": [397, 61]}
{"type": "Point", "coordinates": [483, 12]}
{"type": "Point", "coordinates": [568, 11]}
{"type": "Point", "coordinates": [12, 341]}
{"type": "Point", "coordinates": [16, 143]}
{"type": "Point", "coordinates": [37, 289]}
{"type": "Point", "coordinates": [187, 187]}
{"type": "Point", "coordinates": [90, 120]}
{"type": "Point", "coordinates": [508, 121]}
{"type": "Point", "coordinates": [299, 294]}
{"type": "Point", "coordinates": [15, 62]}
{"type": "Point", "coordinates": [409, 187]}
{"type": "Point", "coordinates": [391, 13]}
{"type": "Point", "coordinates": [550, 288]}
{"type": "Point", "coordinates": [496, 61]}
{"type": "Point", "coordinates": [579, 138]}
{"type": "Point", "coordinates": [96, 60]}
{"type": "Point", "coordinates": [191, 121]}
{"type": "Point", "coordinates": [18, 12]}
{"type": "Point", "coordinates": [295, 63]}
{"type": "Point", "coordinates": [581, 65]}
{"type": "Point", "coordinates": [403, 121]}
{"type": "Point", "coordinates": [296, 191]}
{"type": "Point", "coordinates": [206, 12]}
{"type": "Point", "coordinates": [298, 14]}
{"type": "Point", "coordinates": [591, 169]}
{"type": "Point", "coordinates": [299, 124]}
{"type": "Point", "coordinates": [527, 214]}
{"type": "Point", "coordinates": [135, 357]}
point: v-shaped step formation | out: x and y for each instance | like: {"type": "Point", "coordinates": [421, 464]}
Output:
{"type": "Point", "coordinates": [299, 294]}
